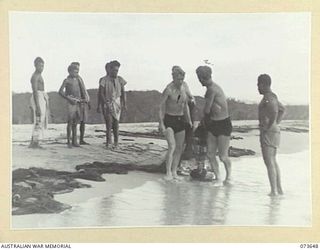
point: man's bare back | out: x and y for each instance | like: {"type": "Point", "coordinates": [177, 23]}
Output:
{"type": "Point", "coordinates": [270, 112]}
{"type": "Point", "coordinates": [219, 106]}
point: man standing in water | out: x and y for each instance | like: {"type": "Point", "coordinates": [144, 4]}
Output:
{"type": "Point", "coordinates": [39, 104]}
{"type": "Point", "coordinates": [74, 92]}
{"type": "Point", "coordinates": [173, 114]}
{"type": "Point", "coordinates": [113, 100]}
{"type": "Point", "coordinates": [217, 122]}
{"type": "Point", "coordinates": [270, 115]}
{"type": "Point", "coordinates": [85, 106]}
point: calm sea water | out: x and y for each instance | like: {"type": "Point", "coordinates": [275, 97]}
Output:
{"type": "Point", "coordinates": [143, 199]}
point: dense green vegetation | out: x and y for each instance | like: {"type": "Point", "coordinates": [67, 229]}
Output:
{"type": "Point", "coordinates": [142, 106]}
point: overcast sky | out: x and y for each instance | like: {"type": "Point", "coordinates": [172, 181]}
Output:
{"type": "Point", "coordinates": [240, 46]}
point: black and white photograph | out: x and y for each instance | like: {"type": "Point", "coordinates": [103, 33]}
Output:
{"type": "Point", "coordinates": [160, 119]}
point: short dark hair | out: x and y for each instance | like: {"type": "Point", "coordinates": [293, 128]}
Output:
{"type": "Point", "coordinates": [179, 70]}
{"type": "Point", "coordinates": [38, 60]}
{"type": "Point", "coordinates": [76, 63]}
{"type": "Point", "coordinates": [72, 67]}
{"type": "Point", "coordinates": [114, 64]}
{"type": "Point", "coordinates": [107, 67]}
{"type": "Point", "coordinates": [264, 79]}
{"type": "Point", "coordinates": [204, 71]}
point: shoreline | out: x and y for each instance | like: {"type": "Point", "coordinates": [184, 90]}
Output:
{"type": "Point", "coordinates": [88, 162]}
{"type": "Point", "coordinates": [121, 194]}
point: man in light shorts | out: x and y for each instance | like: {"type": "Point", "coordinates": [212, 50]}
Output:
{"type": "Point", "coordinates": [270, 115]}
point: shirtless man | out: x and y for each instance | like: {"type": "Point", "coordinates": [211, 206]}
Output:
{"type": "Point", "coordinates": [174, 114]}
{"type": "Point", "coordinates": [73, 91]}
{"type": "Point", "coordinates": [86, 107]}
{"type": "Point", "coordinates": [39, 104]}
{"type": "Point", "coordinates": [217, 122]}
{"type": "Point", "coordinates": [271, 112]}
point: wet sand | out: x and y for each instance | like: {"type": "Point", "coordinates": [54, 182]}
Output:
{"type": "Point", "coordinates": [143, 199]}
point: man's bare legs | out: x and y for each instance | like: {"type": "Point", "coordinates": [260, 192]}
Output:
{"type": "Point", "coordinates": [74, 135]}
{"type": "Point", "coordinates": [69, 133]}
{"type": "Point", "coordinates": [223, 149]}
{"type": "Point", "coordinates": [268, 154]}
{"type": "Point", "coordinates": [111, 124]}
{"type": "Point", "coordinates": [179, 142]}
{"type": "Point", "coordinates": [279, 186]}
{"type": "Point", "coordinates": [82, 130]}
{"type": "Point", "coordinates": [212, 143]}
{"type": "Point", "coordinates": [115, 129]}
{"type": "Point", "coordinates": [169, 135]}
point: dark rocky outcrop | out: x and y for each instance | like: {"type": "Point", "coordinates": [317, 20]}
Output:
{"type": "Point", "coordinates": [237, 152]}
{"type": "Point", "coordinates": [33, 189]}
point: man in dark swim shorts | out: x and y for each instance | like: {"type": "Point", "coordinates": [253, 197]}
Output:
{"type": "Point", "coordinates": [220, 127]}
{"type": "Point", "coordinates": [173, 114]}
{"type": "Point", "coordinates": [176, 122]}
{"type": "Point", "coordinates": [217, 122]}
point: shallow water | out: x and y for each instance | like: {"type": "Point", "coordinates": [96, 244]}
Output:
{"type": "Point", "coordinates": [143, 199]}
{"type": "Point", "coordinates": [152, 201]}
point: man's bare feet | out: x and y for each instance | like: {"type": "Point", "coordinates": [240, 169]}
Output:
{"type": "Point", "coordinates": [84, 143]}
{"type": "Point", "coordinates": [115, 146]}
{"type": "Point", "coordinates": [271, 194]}
{"type": "Point", "coordinates": [228, 182]}
{"type": "Point", "coordinates": [35, 146]}
{"type": "Point", "coordinates": [168, 177]}
{"type": "Point", "coordinates": [217, 183]}
{"type": "Point", "coordinates": [75, 145]}
{"type": "Point", "coordinates": [177, 178]}
{"type": "Point", "coordinates": [280, 191]}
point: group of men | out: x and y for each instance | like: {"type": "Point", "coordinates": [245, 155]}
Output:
{"type": "Point", "coordinates": [175, 118]}
{"type": "Point", "coordinates": [111, 100]}
{"type": "Point", "coordinates": [176, 122]}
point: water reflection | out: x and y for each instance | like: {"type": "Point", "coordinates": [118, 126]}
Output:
{"type": "Point", "coordinates": [274, 210]}
{"type": "Point", "coordinates": [194, 203]}
{"type": "Point", "coordinates": [155, 202]}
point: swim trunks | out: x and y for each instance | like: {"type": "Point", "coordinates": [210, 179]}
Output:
{"type": "Point", "coordinates": [176, 122]}
{"type": "Point", "coordinates": [269, 138]}
{"type": "Point", "coordinates": [220, 127]}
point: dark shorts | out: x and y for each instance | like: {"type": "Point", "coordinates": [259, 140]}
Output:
{"type": "Point", "coordinates": [221, 127]}
{"type": "Point", "coordinates": [176, 122]}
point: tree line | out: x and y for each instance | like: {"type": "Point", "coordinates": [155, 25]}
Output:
{"type": "Point", "coordinates": [142, 106]}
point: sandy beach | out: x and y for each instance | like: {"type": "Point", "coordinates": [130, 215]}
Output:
{"type": "Point", "coordinates": [144, 199]}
